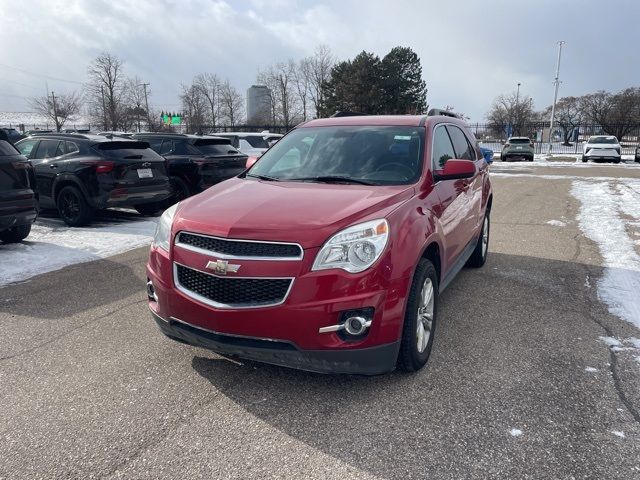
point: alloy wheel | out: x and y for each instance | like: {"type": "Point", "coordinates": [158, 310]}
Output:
{"type": "Point", "coordinates": [425, 315]}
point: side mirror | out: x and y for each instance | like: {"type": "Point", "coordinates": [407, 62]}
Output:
{"type": "Point", "coordinates": [456, 169]}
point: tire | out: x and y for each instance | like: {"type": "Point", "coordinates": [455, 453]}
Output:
{"type": "Point", "coordinates": [531, 159]}
{"type": "Point", "coordinates": [637, 159]}
{"type": "Point", "coordinates": [150, 209]}
{"type": "Point", "coordinates": [503, 158]}
{"type": "Point", "coordinates": [73, 207]}
{"type": "Point", "coordinates": [584, 159]}
{"type": "Point", "coordinates": [180, 191]}
{"type": "Point", "coordinates": [415, 348]}
{"type": "Point", "coordinates": [15, 234]}
{"type": "Point", "coordinates": [479, 255]}
{"type": "Point", "coordinates": [616, 161]}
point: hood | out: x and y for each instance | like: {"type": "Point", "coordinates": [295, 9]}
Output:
{"type": "Point", "coordinates": [304, 213]}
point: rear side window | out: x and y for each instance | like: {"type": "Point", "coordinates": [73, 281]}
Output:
{"type": "Point", "coordinates": [442, 147]}
{"type": "Point", "coordinates": [127, 150]}
{"type": "Point", "coordinates": [72, 147]}
{"type": "Point", "coordinates": [7, 149]}
{"type": "Point", "coordinates": [256, 141]}
{"type": "Point", "coordinates": [154, 143]}
{"type": "Point", "coordinates": [49, 149]}
{"type": "Point", "coordinates": [167, 147]}
{"type": "Point", "coordinates": [460, 143]}
{"type": "Point", "coordinates": [26, 147]}
{"type": "Point", "coordinates": [215, 147]}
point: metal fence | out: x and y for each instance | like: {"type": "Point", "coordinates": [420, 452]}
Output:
{"type": "Point", "coordinates": [562, 142]}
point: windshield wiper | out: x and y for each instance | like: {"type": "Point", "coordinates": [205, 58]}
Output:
{"type": "Point", "coordinates": [263, 177]}
{"type": "Point", "coordinates": [331, 179]}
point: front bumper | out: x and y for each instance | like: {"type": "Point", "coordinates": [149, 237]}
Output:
{"type": "Point", "coordinates": [602, 154]}
{"type": "Point", "coordinates": [364, 361]}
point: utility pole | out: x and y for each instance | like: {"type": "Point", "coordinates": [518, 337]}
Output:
{"type": "Point", "coordinates": [146, 103]}
{"type": "Point", "coordinates": [555, 95]}
{"type": "Point", "coordinates": [104, 109]}
{"type": "Point", "coordinates": [517, 115]}
{"type": "Point", "coordinates": [55, 110]}
{"type": "Point", "coordinates": [517, 95]}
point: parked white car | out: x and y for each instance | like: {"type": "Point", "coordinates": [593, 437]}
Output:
{"type": "Point", "coordinates": [252, 144]}
{"type": "Point", "coordinates": [602, 147]}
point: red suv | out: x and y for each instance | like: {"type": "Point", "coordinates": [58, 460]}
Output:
{"type": "Point", "coordinates": [329, 254]}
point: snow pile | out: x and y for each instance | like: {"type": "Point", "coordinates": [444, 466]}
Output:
{"type": "Point", "coordinates": [557, 223]}
{"type": "Point", "coordinates": [515, 432]}
{"type": "Point", "coordinates": [603, 205]}
{"type": "Point", "coordinates": [52, 245]}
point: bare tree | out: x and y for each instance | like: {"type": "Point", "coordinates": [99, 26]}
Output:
{"type": "Point", "coordinates": [279, 78]}
{"type": "Point", "coordinates": [232, 103]}
{"type": "Point", "coordinates": [194, 107]}
{"type": "Point", "coordinates": [617, 114]}
{"type": "Point", "coordinates": [58, 108]}
{"type": "Point", "coordinates": [317, 71]}
{"type": "Point", "coordinates": [211, 86]}
{"type": "Point", "coordinates": [514, 111]}
{"type": "Point", "coordinates": [302, 83]}
{"type": "Point", "coordinates": [107, 89]}
{"type": "Point", "coordinates": [568, 116]}
{"type": "Point", "coordinates": [135, 103]}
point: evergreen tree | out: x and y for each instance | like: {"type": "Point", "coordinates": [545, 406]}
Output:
{"type": "Point", "coordinates": [404, 89]}
{"type": "Point", "coordinates": [368, 85]}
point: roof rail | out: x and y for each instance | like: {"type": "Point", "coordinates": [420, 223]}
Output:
{"type": "Point", "coordinates": [348, 114]}
{"type": "Point", "coordinates": [54, 134]}
{"type": "Point", "coordinates": [438, 111]}
{"type": "Point", "coordinates": [164, 134]}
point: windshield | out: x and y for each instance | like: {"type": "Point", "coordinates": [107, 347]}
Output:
{"type": "Point", "coordinates": [372, 155]}
{"type": "Point", "coordinates": [603, 140]}
{"type": "Point", "coordinates": [519, 140]}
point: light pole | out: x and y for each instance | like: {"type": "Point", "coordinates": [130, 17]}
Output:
{"type": "Point", "coordinates": [517, 95]}
{"type": "Point", "coordinates": [555, 95]}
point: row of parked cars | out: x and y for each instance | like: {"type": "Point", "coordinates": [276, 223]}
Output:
{"type": "Point", "coordinates": [604, 148]}
{"type": "Point", "coordinates": [79, 174]}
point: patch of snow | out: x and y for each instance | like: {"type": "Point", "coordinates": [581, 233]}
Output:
{"type": "Point", "coordinates": [587, 283]}
{"type": "Point", "coordinates": [557, 223]}
{"type": "Point", "coordinates": [515, 432]}
{"type": "Point", "coordinates": [633, 341]}
{"type": "Point", "coordinates": [610, 341]}
{"type": "Point", "coordinates": [618, 433]}
{"type": "Point", "coordinates": [600, 219]}
{"type": "Point", "coordinates": [52, 245]}
{"type": "Point", "coordinates": [590, 369]}
{"type": "Point", "coordinates": [620, 349]}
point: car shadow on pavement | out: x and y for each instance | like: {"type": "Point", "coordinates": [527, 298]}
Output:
{"type": "Point", "coordinates": [510, 352]}
{"type": "Point", "coordinates": [77, 288]}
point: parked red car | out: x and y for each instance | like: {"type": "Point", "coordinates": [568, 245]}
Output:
{"type": "Point", "coordinates": [330, 253]}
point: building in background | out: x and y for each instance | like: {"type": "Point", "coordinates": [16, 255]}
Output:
{"type": "Point", "coordinates": [258, 105]}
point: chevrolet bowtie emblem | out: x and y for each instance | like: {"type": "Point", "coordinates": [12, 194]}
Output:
{"type": "Point", "coordinates": [222, 267]}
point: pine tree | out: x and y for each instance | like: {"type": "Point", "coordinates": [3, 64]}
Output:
{"type": "Point", "coordinates": [404, 89]}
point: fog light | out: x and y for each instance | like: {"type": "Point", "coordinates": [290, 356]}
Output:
{"type": "Point", "coordinates": [151, 292]}
{"type": "Point", "coordinates": [356, 325]}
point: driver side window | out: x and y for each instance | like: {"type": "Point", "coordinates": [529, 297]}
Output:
{"type": "Point", "coordinates": [442, 149]}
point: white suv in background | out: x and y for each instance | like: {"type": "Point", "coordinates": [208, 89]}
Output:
{"type": "Point", "coordinates": [251, 144]}
{"type": "Point", "coordinates": [602, 147]}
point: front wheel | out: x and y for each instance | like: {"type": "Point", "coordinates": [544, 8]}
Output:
{"type": "Point", "coordinates": [15, 234]}
{"type": "Point", "coordinates": [479, 255]}
{"type": "Point", "coordinates": [584, 159]}
{"type": "Point", "coordinates": [420, 318]}
{"type": "Point", "coordinates": [616, 161]}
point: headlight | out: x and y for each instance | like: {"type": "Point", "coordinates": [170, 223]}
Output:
{"type": "Point", "coordinates": [163, 230]}
{"type": "Point", "coordinates": [354, 249]}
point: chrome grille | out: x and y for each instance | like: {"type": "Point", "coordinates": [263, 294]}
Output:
{"type": "Point", "coordinates": [231, 292]}
{"type": "Point", "coordinates": [239, 249]}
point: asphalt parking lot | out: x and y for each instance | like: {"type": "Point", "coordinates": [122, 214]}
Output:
{"type": "Point", "coordinates": [526, 379]}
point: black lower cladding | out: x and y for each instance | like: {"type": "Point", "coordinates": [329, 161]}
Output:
{"type": "Point", "coordinates": [233, 291]}
{"type": "Point", "coordinates": [364, 361]}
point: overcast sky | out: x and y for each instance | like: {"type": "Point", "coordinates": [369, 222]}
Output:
{"type": "Point", "coordinates": [471, 50]}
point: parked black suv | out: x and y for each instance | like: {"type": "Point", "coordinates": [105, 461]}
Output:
{"type": "Point", "coordinates": [195, 162]}
{"type": "Point", "coordinates": [13, 134]}
{"type": "Point", "coordinates": [79, 174]}
{"type": "Point", "coordinates": [18, 202]}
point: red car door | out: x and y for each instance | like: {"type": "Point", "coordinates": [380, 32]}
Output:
{"type": "Point", "coordinates": [453, 209]}
{"type": "Point", "coordinates": [465, 151]}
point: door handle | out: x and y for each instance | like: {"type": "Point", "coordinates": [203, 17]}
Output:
{"type": "Point", "coordinates": [53, 166]}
